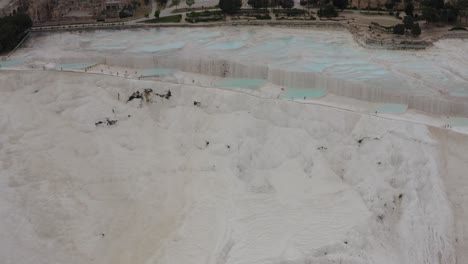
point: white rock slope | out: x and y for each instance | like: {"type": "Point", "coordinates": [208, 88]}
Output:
{"type": "Point", "coordinates": [236, 179]}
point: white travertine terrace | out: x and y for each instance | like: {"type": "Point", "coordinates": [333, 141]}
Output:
{"type": "Point", "coordinates": [239, 177]}
{"type": "Point", "coordinates": [433, 81]}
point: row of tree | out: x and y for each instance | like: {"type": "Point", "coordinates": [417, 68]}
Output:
{"type": "Point", "coordinates": [12, 30]}
{"type": "Point", "coordinates": [441, 11]}
{"type": "Point", "coordinates": [271, 3]}
{"type": "Point", "coordinates": [449, 11]}
{"type": "Point", "coordinates": [408, 26]}
{"type": "Point", "coordinates": [327, 9]}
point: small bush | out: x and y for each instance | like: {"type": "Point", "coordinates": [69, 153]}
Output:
{"type": "Point", "coordinates": [416, 30]}
{"type": "Point", "coordinates": [408, 21]}
{"type": "Point", "coordinates": [399, 29]}
{"type": "Point", "coordinates": [125, 13]}
{"type": "Point", "coordinates": [205, 13]}
{"type": "Point", "coordinates": [290, 12]}
{"type": "Point", "coordinates": [167, 19]}
{"type": "Point", "coordinates": [203, 19]}
{"type": "Point", "coordinates": [263, 17]}
{"type": "Point", "coordinates": [457, 28]}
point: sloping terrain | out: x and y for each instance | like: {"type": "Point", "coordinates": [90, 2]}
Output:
{"type": "Point", "coordinates": [203, 175]}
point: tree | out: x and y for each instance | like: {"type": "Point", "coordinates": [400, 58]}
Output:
{"type": "Point", "coordinates": [449, 14]}
{"type": "Point", "coordinates": [190, 3]}
{"type": "Point", "coordinates": [340, 4]}
{"type": "Point", "coordinates": [327, 10]}
{"type": "Point", "coordinates": [287, 3]}
{"type": "Point", "coordinates": [12, 30]}
{"type": "Point", "coordinates": [274, 3]}
{"type": "Point", "coordinates": [399, 29]}
{"type": "Point", "coordinates": [176, 3]}
{"type": "Point", "coordinates": [156, 13]}
{"type": "Point", "coordinates": [134, 4]}
{"type": "Point", "coordinates": [430, 14]}
{"type": "Point", "coordinates": [416, 30]}
{"type": "Point", "coordinates": [437, 4]}
{"type": "Point", "coordinates": [409, 9]}
{"type": "Point", "coordinates": [430, 10]}
{"type": "Point", "coordinates": [462, 6]}
{"type": "Point", "coordinates": [308, 3]}
{"type": "Point", "coordinates": [230, 6]}
{"type": "Point", "coordinates": [162, 2]}
{"type": "Point", "coordinates": [464, 13]}
{"type": "Point", "coordinates": [408, 21]}
{"type": "Point", "coordinates": [389, 5]}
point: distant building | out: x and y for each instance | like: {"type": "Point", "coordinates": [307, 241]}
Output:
{"type": "Point", "coordinates": [8, 7]}
{"type": "Point", "coordinates": [115, 4]}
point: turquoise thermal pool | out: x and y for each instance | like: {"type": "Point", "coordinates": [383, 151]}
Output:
{"type": "Point", "coordinates": [389, 108]}
{"type": "Point", "coordinates": [76, 65]}
{"type": "Point", "coordinates": [10, 63]}
{"type": "Point", "coordinates": [156, 72]}
{"type": "Point", "coordinates": [293, 93]}
{"type": "Point", "coordinates": [458, 121]}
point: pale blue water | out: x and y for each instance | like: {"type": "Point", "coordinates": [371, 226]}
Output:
{"type": "Point", "coordinates": [228, 45]}
{"type": "Point", "coordinates": [76, 65]}
{"type": "Point", "coordinates": [274, 45]}
{"type": "Point", "coordinates": [156, 72]}
{"type": "Point", "coordinates": [201, 41]}
{"type": "Point", "coordinates": [459, 94]}
{"type": "Point", "coordinates": [203, 35]}
{"type": "Point", "coordinates": [293, 93]}
{"type": "Point", "coordinates": [458, 121]}
{"type": "Point", "coordinates": [325, 60]}
{"type": "Point", "coordinates": [163, 47]}
{"type": "Point", "coordinates": [358, 71]}
{"type": "Point", "coordinates": [11, 63]}
{"type": "Point", "coordinates": [389, 108]}
{"type": "Point", "coordinates": [423, 69]}
{"type": "Point", "coordinates": [241, 82]}
{"type": "Point", "coordinates": [111, 47]}
{"type": "Point", "coordinates": [315, 67]}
